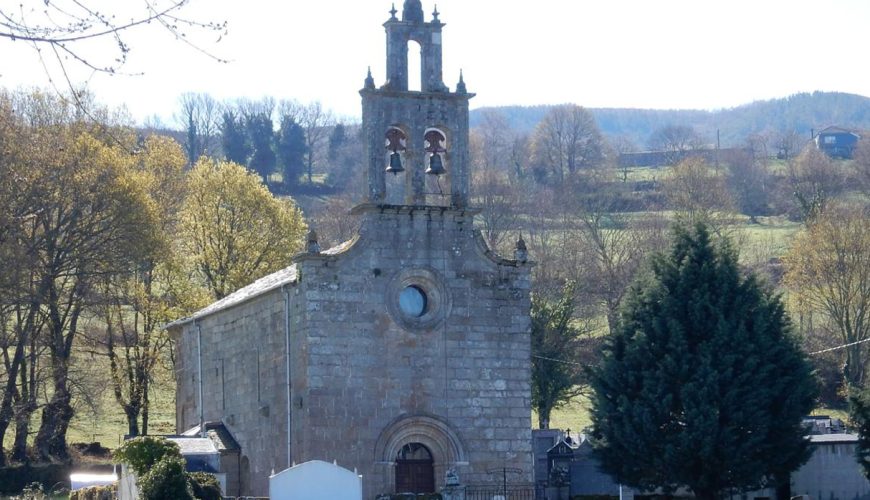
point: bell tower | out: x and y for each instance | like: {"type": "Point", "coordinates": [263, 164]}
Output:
{"type": "Point", "coordinates": [416, 142]}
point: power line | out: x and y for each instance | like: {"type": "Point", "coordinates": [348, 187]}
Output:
{"type": "Point", "coordinates": [840, 347]}
{"type": "Point", "coordinates": [558, 360]}
{"type": "Point", "coordinates": [815, 353]}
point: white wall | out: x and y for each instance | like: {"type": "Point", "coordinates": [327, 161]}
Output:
{"type": "Point", "coordinates": [316, 480]}
{"type": "Point", "coordinates": [832, 473]}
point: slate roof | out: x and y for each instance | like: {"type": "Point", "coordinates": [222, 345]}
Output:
{"type": "Point", "coordinates": [218, 433]}
{"type": "Point", "coordinates": [265, 284]}
{"type": "Point", "coordinates": [194, 445]}
{"type": "Point", "coordinates": [285, 276]}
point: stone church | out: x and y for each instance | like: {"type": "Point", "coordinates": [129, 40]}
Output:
{"type": "Point", "coordinates": [401, 353]}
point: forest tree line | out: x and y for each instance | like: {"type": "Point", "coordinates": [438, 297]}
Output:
{"type": "Point", "coordinates": [107, 230]}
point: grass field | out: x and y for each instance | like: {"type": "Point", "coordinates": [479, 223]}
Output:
{"type": "Point", "coordinates": [98, 416]}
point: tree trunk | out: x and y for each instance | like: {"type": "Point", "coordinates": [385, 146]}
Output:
{"type": "Point", "coordinates": [15, 364]}
{"type": "Point", "coordinates": [4, 424]}
{"type": "Point", "coordinates": [544, 418]}
{"type": "Point", "coordinates": [22, 431]}
{"type": "Point", "coordinates": [132, 421]}
{"type": "Point", "coordinates": [783, 486]}
{"type": "Point", "coordinates": [145, 404]}
{"type": "Point", "coordinates": [26, 405]}
{"type": "Point", "coordinates": [853, 372]}
{"type": "Point", "coordinates": [51, 438]}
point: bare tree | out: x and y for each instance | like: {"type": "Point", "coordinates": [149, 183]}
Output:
{"type": "Point", "coordinates": [676, 140]}
{"type": "Point", "coordinates": [200, 116]}
{"type": "Point", "coordinates": [828, 268]}
{"type": "Point", "coordinates": [698, 194]}
{"type": "Point", "coordinates": [64, 30]}
{"type": "Point", "coordinates": [788, 144]}
{"type": "Point", "coordinates": [567, 139]}
{"type": "Point", "coordinates": [501, 206]}
{"type": "Point", "coordinates": [605, 246]}
{"type": "Point", "coordinates": [334, 221]}
{"type": "Point", "coordinates": [814, 180]}
{"type": "Point", "coordinates": [317, 122]}
{"type": "Point", "coordinates": [861, 163]}
{"type": "Point", "coordinates": [748, 180]}
{"type": "Point", "coordinates": [493, 138]}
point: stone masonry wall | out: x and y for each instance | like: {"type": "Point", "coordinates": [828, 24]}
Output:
{"type": "Point", "coordinates": [252, 405]}
{"type": "Point", "coordinates": [367, 378]}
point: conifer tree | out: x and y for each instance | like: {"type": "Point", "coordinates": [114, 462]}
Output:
{"type": "Point", "coordinates": [234, 140]}
{"type": "Point", "coordinates": [290, 149]}
{"type": "Point", "coordinates": [261, 135]}
{"type": "Point", "coordinates": [701, 385]}
{"type": "Point", "coordinates": [859, 414]}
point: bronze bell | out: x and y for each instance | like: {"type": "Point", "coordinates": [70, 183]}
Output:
{"type": "Point", "coordinates": [395, 165]}
{"type": "Point", "coordinates": [436, 166]}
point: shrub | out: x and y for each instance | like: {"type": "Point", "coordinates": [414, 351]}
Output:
{"type": "Point", "coordinates": [205, 486]}
{"type": "Point", "coordinates": [166, 479]}
{"type": "Point", "coordinates": [142, 453]}
{"type": "Point", "coordinates": [94, 493]}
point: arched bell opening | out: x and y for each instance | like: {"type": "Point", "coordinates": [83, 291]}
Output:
{"type": "Point", "coordinates": [437, 160]}
{"type": "Point", "coordinates": [415, 66]}
{"type": "Point", "coordinates": [396, 144]}
{"type": "Point", "coordinates": [397, 160]}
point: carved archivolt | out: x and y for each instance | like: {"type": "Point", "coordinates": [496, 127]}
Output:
{"type": "Point", "coordinates": [430, 431]}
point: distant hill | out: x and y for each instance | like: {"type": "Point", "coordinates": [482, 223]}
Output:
{"type": "Point", "coordinates": [801, 112]}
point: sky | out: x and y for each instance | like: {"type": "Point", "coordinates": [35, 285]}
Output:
{"type": "Point", "coordinates": [663, 54]}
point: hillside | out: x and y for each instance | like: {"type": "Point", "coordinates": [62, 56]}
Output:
{"type": "Point", "coordinates": [800, 112]}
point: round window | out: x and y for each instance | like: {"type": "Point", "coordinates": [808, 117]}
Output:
{"type": "Point", "coordinates": [417, 299]}
{"type": "Point", "coordinates": [412, 301]}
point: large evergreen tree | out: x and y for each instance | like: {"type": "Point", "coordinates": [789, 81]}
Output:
{"type": "Point", "coordinates": [290, 149]}
{"type": "Point", "coordinates": [701, 385]}
{"type": "Point", "coordinates": [262, 136]}
{"type": "Point", "coordinates": [234, 140]}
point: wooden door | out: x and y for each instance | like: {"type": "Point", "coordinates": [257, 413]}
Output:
{"type": "Point", "coordinates": [414, 470]}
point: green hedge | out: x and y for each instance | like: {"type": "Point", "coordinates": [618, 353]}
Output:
{"type": "Point", "coordinates": [165, 480]}
{"type": "Point", "coordinates": [13, 480]}
{"type": "Point", "coordinates": [205, 486]}
{"type": "Point", "coordinates": [94, 493]}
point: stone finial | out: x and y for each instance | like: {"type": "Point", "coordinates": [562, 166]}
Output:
{"type": "Point", "coordinates": [521, 254]}
{"type": "Point", "coordinates": [393, 13]}
{"type": "Point", "coordinates": [370, 82]}
{"type": "Point", "coordinates": [435, 14]}
{"type": "Point", "coordinates": [313, 245]}
{"type": "Point", "coordinates": [412, 11]}
{"type": "Point", "coordinates": [460, 87]}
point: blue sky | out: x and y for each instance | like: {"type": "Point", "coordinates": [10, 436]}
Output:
{"type": "Point", "coordinates": [670, 54]}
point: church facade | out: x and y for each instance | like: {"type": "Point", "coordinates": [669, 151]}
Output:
{"type": "Point", "coordinates": [402, 353]}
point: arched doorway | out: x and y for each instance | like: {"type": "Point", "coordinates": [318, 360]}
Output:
{"type": "Point", "coordinates": [415, 471]}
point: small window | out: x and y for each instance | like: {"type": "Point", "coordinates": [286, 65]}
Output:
{"type": "Point", "coordinates": [412, 301]}
{"type": "Point", "coordinates": [830, 139]}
